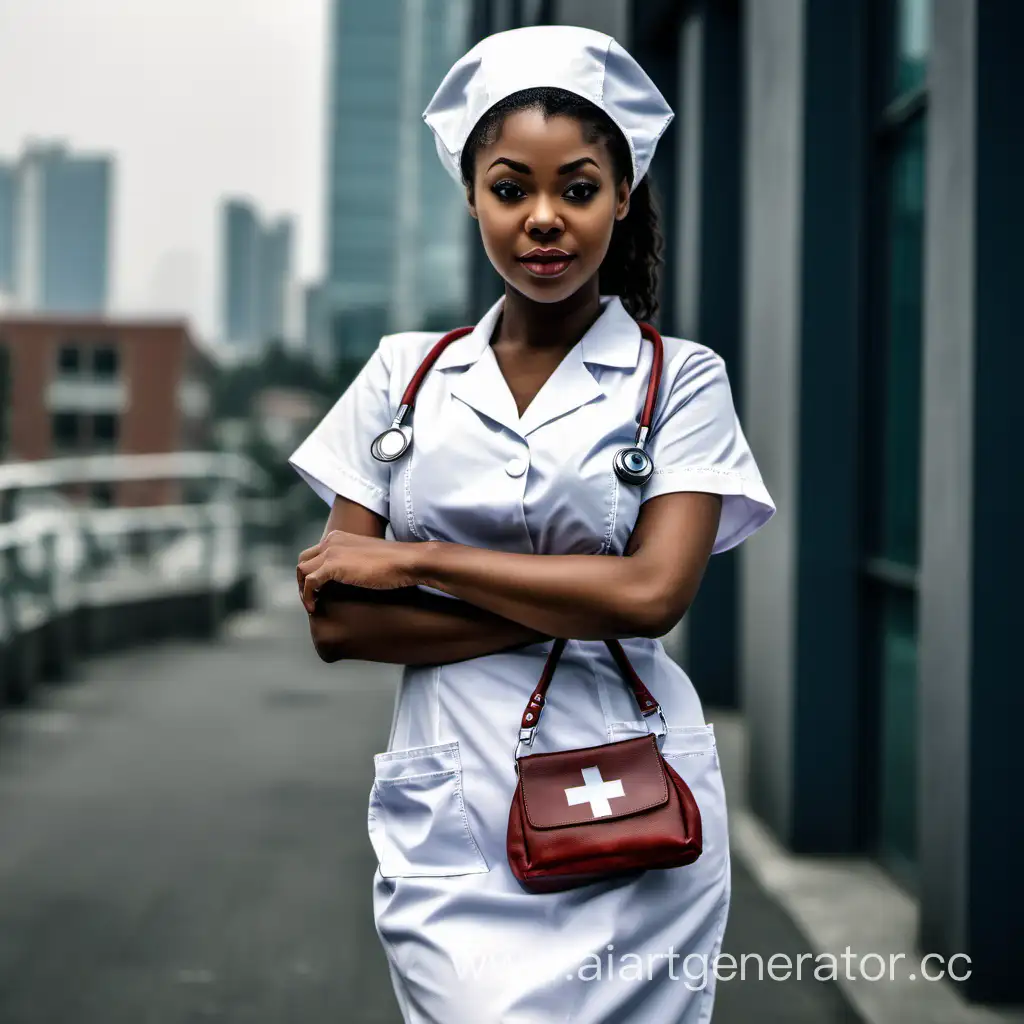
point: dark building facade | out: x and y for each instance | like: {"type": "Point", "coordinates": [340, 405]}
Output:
{"type": "Point", "coordinates": [842, 218]}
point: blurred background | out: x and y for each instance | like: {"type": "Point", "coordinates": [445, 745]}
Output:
{"type": "Point", "coordinates": [211, 211]}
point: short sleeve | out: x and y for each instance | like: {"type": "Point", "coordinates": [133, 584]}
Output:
{"type": "Point", "coordinates": [335, 457]}
{"type": "Point", "coordinates": [697, 444]}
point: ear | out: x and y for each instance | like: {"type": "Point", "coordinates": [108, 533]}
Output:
{"type": "Point", "coordinates": [470, 204]}
{"type": "Point", "coordinates": [622, 199]}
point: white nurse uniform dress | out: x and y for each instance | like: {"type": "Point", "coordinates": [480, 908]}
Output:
{"type": "Point", "coordinates": [465, 944]}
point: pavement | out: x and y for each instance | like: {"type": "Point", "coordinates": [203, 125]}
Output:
{"type": "Point", "coordinates": [183, 839]}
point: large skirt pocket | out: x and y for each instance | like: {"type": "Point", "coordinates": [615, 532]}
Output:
{"type": "Point", "coordinates": [417, 819]}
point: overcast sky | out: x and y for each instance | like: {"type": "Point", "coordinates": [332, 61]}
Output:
{"type": "Point", "coordinates": [195, 99]}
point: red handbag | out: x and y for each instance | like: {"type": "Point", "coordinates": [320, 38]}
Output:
{"type": "Point", "coordinates": [581, 815]}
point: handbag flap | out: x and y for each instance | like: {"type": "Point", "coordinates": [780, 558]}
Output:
{"type": "Point", "coordinates": [602, 783]}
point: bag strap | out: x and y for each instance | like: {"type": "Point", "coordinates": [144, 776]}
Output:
{"type": "Point", "coordinates": [531, 715]}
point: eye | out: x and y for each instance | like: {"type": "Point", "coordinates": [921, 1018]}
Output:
{"type": "Point", "coordinates": [498, 189]}
{"type": "Point", "coordinates": [589, 189]}
{"type": "Point", "coordinates": [583, 190]}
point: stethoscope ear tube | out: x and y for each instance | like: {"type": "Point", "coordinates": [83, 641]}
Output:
{"type": "Point", "coordinates": [632, 465]}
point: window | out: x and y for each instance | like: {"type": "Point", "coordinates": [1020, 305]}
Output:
{"type": "Point", "coordinates": [69, 359]}
{"type": "Point", "coordinates": [105, 361]}
{"type": "Point", "coordinates": [66, 431]}
{"type": "Point", "coordinates": [892, 393]}
{"type": "Point", "coordinates": [105, 428]}
{"type": "Point", "coordinates": [102, 494]}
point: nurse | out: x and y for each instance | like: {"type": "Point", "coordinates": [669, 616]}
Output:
{"type": "Point", "coordinates": [504, 524]}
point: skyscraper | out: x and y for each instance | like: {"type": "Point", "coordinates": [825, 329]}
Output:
{"type": "Point", "coordinates": [240, 240]}
{"type": "Point", "coordinates": [395, 230]}
{"type": "Point", "coordinates": [275, 276]}
{"type": "Point", "coordinates": [60, 207]}
{"type": "Point", "coordinates": [442, 255]}
{"type": "Point", "coordinates": [362, 185]}
{"type": "Point", "coordinates": [314, 321]}
{"type": "Point", "coordinates": [257, 263]}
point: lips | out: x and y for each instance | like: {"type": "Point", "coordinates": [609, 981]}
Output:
{"type": "Point", "coordinates": [546, 262]}
{"type": "Point", "coordinates": [545, 256]}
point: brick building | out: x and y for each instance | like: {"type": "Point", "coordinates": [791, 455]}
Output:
{"type": "Point", "coordinates": [82, 385]}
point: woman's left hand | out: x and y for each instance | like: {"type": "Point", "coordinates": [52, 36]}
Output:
{"type": "Point", "coordinates": [358, 561]}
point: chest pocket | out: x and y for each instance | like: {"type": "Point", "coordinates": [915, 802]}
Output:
{"type": "Point", "coordinates": [417, 817]}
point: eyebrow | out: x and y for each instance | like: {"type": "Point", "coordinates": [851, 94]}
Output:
{"type": "Point", "coordinates": [564, 169]}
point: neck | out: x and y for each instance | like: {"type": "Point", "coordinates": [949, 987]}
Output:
{"type": "Point", "coordinates": [548, 325]}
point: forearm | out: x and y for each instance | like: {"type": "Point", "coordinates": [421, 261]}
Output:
{"type": "Point", "coordinates": [410, 628]}
{"type": "Point", "coordinates": [587, 597]}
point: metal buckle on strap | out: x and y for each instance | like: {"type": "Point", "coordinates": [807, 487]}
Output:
{"type": "Point", "coordinates": [664, 722]}
{"type": "Point", "coordinates": [526, 736]}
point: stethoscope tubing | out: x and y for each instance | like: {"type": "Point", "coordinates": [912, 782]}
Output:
{"type": "Point", "coordinates": [633, 465]}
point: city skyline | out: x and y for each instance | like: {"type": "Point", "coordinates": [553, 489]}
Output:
{"type": "Point", "coordinates": [181, 146]}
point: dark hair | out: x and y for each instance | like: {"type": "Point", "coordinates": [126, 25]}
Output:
{"type": "Point", "coordinates": [630, 267]}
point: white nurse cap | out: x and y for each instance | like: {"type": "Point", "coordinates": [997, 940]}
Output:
{"type": "Point", "coordinates": [581, 61]}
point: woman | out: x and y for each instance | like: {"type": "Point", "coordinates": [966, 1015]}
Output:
{"type": "Point", "coordinates": [551, 131]}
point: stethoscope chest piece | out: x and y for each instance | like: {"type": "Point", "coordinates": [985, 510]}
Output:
{"type": "Point", "coordinates": [391, 444]}
{"type": "Point", "coordinates": [633, 465]}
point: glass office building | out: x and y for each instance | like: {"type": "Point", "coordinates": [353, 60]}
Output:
{"type": "Point", "coordinates": [362, 186]}
{"type": "Point", "coordinates": [240, 239]}
{"type": "Point", "coordinates": [275, 275]}
{"type": "Point", "coordinates": [395, 230]}
{"type": "Point", "coordinates": [61, 231]}
{"type": "Point", "coordinates": [444, 222]}
{"type": "Point", "coordinates": [256, 275]}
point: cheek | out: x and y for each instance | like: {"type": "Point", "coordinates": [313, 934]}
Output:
{"type": "Point", "coordinates": [594, 242]}
{"type": "Point", "coordinates": [498, 233]}
{"type": "Point", "coordinates": [594, 231]}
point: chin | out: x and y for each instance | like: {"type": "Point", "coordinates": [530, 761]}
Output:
{"type": "Point", "coordinates": [547, 292]}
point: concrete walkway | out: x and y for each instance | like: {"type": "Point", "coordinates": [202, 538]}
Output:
{"type": "Point", "coordinates": [182, 838]}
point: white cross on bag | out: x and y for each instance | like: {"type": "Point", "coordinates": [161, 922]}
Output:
{"type": "Point", "coordinates": [595, 792]}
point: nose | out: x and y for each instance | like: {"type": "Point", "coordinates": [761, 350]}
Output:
{"type": "Point", "coordinates": [543, 219]}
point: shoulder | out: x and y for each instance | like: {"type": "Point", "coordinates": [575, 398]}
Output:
{"type": "Point", "coordinates": [406, 344]}
{"type": "Point", "coordinates": [406, 349]}
{"type": "Point", "coordinates": [694, 383]}
{"type": "Point", "coordinates": [689, 362]}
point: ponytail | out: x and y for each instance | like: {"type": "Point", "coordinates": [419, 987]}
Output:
{"type": "Point", "coordinates": [631, 267]}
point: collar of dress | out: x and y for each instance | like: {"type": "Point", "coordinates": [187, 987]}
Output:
{"type": "Point", "coordinates": [613, 340]}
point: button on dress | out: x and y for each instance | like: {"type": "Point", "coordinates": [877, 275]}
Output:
{"type": "Point", "coordinates": [464, 942]}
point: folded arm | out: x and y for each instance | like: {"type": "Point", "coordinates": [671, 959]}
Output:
{"type": "Point", "coordinates": [411, 629]}
{"type": "Point", "coordinates": [589, 597]}
{"type": "Point", "coordinates": [404, 626]}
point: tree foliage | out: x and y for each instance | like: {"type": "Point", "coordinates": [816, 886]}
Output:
{"type": "Point", "coordinates": [234, 387]}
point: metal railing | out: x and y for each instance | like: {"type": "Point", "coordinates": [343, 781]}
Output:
{"type": "Point", "coordinates": [73, 576]}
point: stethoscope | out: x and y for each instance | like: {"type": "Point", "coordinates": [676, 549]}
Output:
{"type": "Point", "coordinates": [632, 465]}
